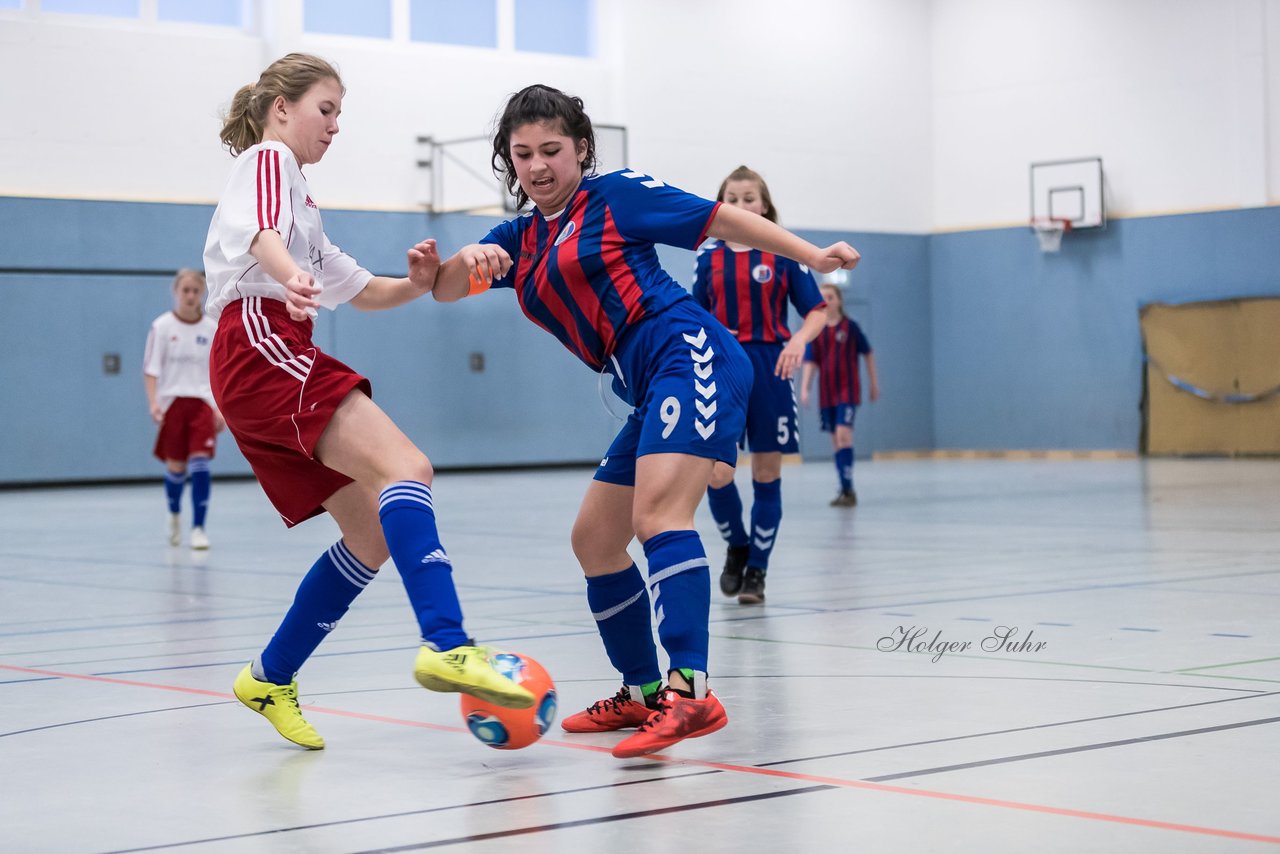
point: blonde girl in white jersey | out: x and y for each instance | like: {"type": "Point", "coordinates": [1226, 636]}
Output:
{"type": "Point", "coordinates": [305, 421]}
{"type": "Point", "coordinates": [175, 374]}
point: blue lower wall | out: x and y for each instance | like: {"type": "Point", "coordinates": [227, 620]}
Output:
{"type": "Point", "coordinates": [1035, 350]}
{"type": "Point", "coordinates": [80, 279]}
{"type": "Point", "coordinates": [982, 340]}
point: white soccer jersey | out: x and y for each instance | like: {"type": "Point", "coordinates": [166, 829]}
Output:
{"type": "Point", "coordinates": [177, 356]}
{"type": "Point", "coordinates": [267, 190]}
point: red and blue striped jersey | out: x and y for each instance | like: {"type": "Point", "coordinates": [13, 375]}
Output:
{"type": "Point", "coordinates": [748, 291]}
{"type": "Point", "coordinates": [835, 351]}
{"type": "Point", "coordinates": [589, 273]}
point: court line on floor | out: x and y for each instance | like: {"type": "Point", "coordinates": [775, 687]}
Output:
{"type": "Point", "coordinates": [866, 785]}
{"type": "Point", "coordinates": [1012, 730]}
{"type": "Point", "coordinates": [494, 802]}
{"type": "Point", "coordinates": [1063, 751]}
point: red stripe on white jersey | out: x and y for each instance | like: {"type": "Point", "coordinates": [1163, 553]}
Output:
{"type": "Point", "coordinates": [268, 189]}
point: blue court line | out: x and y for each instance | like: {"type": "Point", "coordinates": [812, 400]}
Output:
{"type": "Point", "coordinates": [974, 619]}
{"type": "Point", "coordinates": [1227, 635]}
{"type": "Point", "coordinates": [1135, 629]}
{"type": "Point", "coordinates": [1055, 624]}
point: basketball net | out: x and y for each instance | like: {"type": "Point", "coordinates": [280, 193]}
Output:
{"type": "Point", "coordinates": [1049, 232]}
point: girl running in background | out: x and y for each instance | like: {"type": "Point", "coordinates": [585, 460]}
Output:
{"type": "Point", "coordinates": [834, 354]}
{"type": "Point", "coordinates": [748, 290]}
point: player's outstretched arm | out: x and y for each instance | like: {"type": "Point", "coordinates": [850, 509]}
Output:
{"type": "Point", "coordinates": [470, 270]}
{"type": "Point", "coordinates": [383, 292]}
{"type": "Point", "coordinates": [738, 226]}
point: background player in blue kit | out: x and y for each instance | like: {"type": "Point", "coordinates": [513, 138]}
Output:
{"type": "Point", "coordinates": [834, 356]}
{"type": "Point", "coordinates": [748, 290]}
{"type": "Point", "coordinates": [583, 266]}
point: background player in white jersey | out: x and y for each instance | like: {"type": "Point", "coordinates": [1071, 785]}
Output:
{"type": "Point", "coordinates": [175, 372]}
{"type": "Point", "coordinates": [304, 420]}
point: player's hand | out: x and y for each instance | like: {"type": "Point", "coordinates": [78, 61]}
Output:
{"type": "Point", "coordinates": [789, 359]}
{"type": "Point", "coordinates": [485, 261]}
{"type": "Point", "coordinates": [157, 414]}
{"type": "Point", "coordinates": [804, 395]}
{"type": "Point", "coordinates": [300, 293]}
{"type": "Point", "coordinates": [424, 264]}
{"type": "Point", "coordinates": [837, 256]}
{"type": "Point", "coordinates": [875, 392]}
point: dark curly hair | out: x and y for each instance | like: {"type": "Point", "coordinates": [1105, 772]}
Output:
{"type": "Point", "coordinates": [533, 104]}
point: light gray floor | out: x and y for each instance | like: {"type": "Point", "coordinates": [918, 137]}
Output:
{"type": "Point", "coordinates": [1148, 720]}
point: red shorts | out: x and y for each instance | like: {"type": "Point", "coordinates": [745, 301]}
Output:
{"type": "Point", "coordinates": [277, 393]}
{"type": "Point", "coordinates": [186, 431]}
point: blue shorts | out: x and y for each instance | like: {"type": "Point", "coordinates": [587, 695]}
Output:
{"type": "Point", "coordinates": [837, 416]}
{"type": "Point", "coordinates": [688, 380]}
{"type": "Point", "coordinates": [771, 410]}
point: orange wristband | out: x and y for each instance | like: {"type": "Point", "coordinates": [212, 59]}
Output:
{"type": "Point", "coordinates": [477, 283]}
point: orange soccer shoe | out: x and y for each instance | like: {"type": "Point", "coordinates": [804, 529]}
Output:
{"type": "Point", "coordinates": [675, 719]}
{"type": "Point", "coordinates": [621, 711]}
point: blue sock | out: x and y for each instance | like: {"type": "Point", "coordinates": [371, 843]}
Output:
{"type": "Point", "coordinates": [620, 605]}
{"type": "Point", "coordinates": [173, 483]}
{"type": "Point", "coordinates": [681, 585]}
{"type": "Point", "coordinates": [726, 509]}
{"type": "Point", "coordinates": [409, 525]}
{"type": "Point", "coordinates": [324, 595]}
{"type": "Point", "coordinates": [844, 468]}
{"type": "Point", "coordinates": [198, 467]}
{"type": "Point", "coordinates": [766, 513]}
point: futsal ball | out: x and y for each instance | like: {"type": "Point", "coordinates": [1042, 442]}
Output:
{"type": "Point", "coordinates": [512, 729]}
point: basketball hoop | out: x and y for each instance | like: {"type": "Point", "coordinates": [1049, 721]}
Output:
{"type": "Point", "coordinates": [1049, 232]}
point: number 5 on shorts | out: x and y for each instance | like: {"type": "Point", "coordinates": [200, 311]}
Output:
{"type": "Point", "coordinates": [784, 430]}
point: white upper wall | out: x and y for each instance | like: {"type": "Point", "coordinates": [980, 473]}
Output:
{"type": "Point", "coordinates": [1171, 94]}
{"type": "Point", "coordinates": [878, 115]}
{"type": "Point", "coordinates": [827, 99]}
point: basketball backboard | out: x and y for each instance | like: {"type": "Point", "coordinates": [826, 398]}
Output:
{"type": "Point", "coordinates": [1068, 190]}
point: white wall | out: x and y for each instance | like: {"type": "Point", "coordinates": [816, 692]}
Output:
{"type": "Point", "coordinates": [878, 115]}
{"type": "Point", "coordinates": [828, 101]}
{"type": "Point", "coordinates": [1172, 94]}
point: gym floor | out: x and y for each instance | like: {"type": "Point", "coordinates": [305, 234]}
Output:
{"type": "Point", "coordinates": [982, 656]}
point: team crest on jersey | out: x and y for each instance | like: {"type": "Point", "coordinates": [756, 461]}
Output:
{"type": "Point", "coordinates": [564, 235]}
{"type": "Point", "coordinates": [201, 340]}
{"type": "Point", "coordinates": [841, 336]}
{"type": "Point", "coordinates": [762, 273]}
{"type": "Point", "coordinates": [310, 203]}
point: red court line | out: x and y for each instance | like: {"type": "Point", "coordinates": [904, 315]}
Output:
{"type": "Point", "coordinates": [720, 766]}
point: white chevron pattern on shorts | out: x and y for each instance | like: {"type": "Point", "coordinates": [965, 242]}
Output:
{"type": "Point", "coordinates": [705, 421]}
